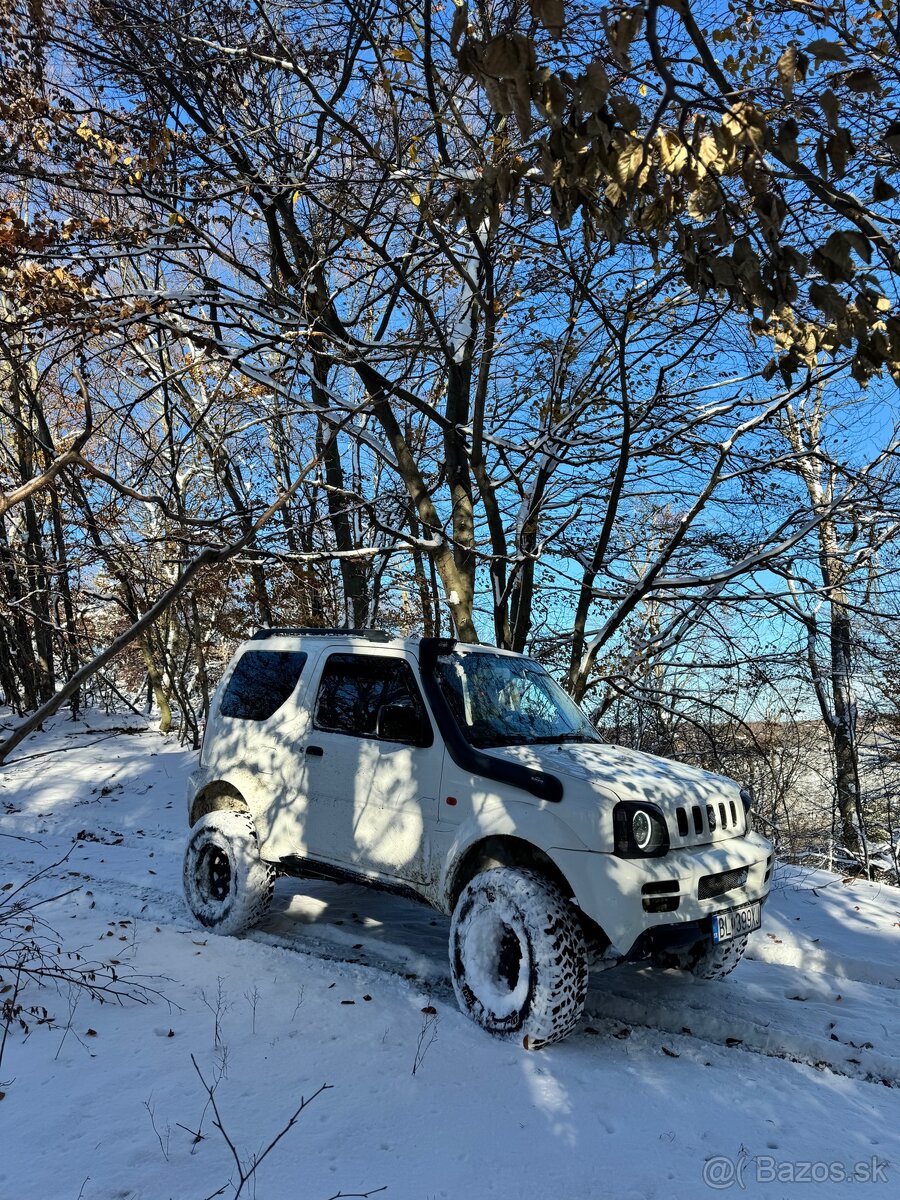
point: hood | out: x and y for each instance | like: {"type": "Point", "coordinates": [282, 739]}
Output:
{"type": "Point", "coordinates": [593, 772]}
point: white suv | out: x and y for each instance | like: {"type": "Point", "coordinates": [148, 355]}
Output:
{"type": "Point", "coordinates": [465, 776]}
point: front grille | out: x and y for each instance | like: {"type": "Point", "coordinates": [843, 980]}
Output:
{"type": "Point", "coordinates": [718, 885]}
{"type": "Point", "coordinates": [703, 822]}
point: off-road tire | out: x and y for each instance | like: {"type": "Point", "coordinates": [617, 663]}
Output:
{"type": "Point", "coordinates": [518, 957]}
{"type": "Point", "coordinates": [227, 885]}
{"type": "Point", "coordinates": [711, 960]}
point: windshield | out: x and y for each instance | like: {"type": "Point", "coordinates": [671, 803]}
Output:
{"type": "Point", "coordinates": [501, 700]}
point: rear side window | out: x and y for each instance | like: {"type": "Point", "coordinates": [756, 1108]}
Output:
{"type": "Point", "coordinates": [355, 686]}
{"type": "Point", "coordinates": [260, 683]}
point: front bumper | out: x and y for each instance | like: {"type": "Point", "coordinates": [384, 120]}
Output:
{"type": "Point", "coordinates": [614, 891]}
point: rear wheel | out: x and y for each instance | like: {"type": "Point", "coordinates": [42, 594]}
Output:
{"type": "Point", "coordinates": [518, 957]}
{"type": "Point", "coordinates": [227, 885]}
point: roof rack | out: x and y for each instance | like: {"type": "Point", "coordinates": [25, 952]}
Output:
{"type": "Point", "coordinates": [371, 635]}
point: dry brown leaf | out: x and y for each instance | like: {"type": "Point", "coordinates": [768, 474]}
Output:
{"type": "Point", "coordinates": [863, 81]}
{"type": "Point", "coordinates": [831, 106]}
{"type": "Point", "coordinates": [505, 57]}
{"type": "Point", "coordinates": [622, 32]}
{"type": "Point", "coordinates": [594, 87]}
{"type": "Point", "coordinates": [550, 14]}
{"type": "Point", "coordinates": [673, 153]}
{"type": "Point", "coordinates": [553, 99]}
{"type": "Point", "coordinates": [627, 112]}
{"type": "Point", "coordinates": [824, 51]}
{"type": "Point", "coordinates": [627, 162]}
{"type": "Point", "coordinates": [787, 140]}
{"type": "Point", "coordinates": [839, 148]}
{"type": "Point", "coordinates": [705, 199]}
{"type": "Point", "coordinates": [746, 124]}
{"type": "Point", "coordinates": [791, 68]}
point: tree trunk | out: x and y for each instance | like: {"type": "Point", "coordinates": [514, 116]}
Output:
{"type": "Point", "coordinates": [842, 726]}
{"type": "Point", "coordinates": [353, 571]}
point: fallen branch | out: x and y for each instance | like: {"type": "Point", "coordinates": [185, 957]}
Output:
{"type": "Point", "coordinates": [102, 734]}
{"type": "Point", "coordinates": [72, 455]}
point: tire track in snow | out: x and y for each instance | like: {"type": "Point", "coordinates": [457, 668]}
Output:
{"type": "Point", "coordinates": [146, 902]}
{"type": "Point", "coordinates": [812, 958]}
{"type": "Point", "coordinates": [651, 1001]}
{"type": "Point", "coordinates": [670, 1004]}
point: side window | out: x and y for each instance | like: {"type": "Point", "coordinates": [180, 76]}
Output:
{"type": "Point", "coordinates": [355, 688]}
{"type": "Point", "coordinates": [260, 683]}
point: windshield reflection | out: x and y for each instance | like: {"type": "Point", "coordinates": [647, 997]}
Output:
{"type": "Point", "coordinates": [500, 700]}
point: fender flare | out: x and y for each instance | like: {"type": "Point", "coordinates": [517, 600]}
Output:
{"type": "Point", "coordinates": [522, 821]}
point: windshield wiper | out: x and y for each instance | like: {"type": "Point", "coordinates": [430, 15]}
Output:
{"type": "Point", "coordinates": [557, 738]}
{"type": "Point", "coordinates": [495, 742]}
{"type": "Point", "coordinates": [541, 739]}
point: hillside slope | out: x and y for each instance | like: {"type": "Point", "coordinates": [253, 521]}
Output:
{"type": "Point", "coordinates": [669, 1087]}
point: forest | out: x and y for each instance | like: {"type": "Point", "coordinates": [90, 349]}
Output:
{"type": "Point", "coordinates": [572, 329]}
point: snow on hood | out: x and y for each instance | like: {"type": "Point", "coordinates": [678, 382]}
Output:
{"type": "Point", "coordinates": [624, 774]}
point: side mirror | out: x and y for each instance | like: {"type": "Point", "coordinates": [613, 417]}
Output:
{"type": "Point", "coordinates": [399, 723]}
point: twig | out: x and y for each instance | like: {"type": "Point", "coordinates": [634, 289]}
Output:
{"type": "Point", "coordinates": [252, 997]}
{"type": "Point", "coordinates": [74, 997]}
{"type": "Point", "coordinates": [245, 1172]}
{"type": "Point", "coordinates": [218, 1009]}
{"type": "Point", "coordinates": [163, 1146]}
{"type": "Point", "coordinates": [9, 1010]}
{"type": "Point", "coordinates": [300, 993]}
{"type": "Point", "coordinates": [427, 1036]}
{"type": "Point", "coordinates": [18, 837]}
{"type": "Point", "coordinates": [357, 1195]}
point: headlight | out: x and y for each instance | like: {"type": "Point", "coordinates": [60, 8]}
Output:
{"type": "Point", "coordinates": [747, 799]}
{"type": "Point", "coordinates": [640, 830]}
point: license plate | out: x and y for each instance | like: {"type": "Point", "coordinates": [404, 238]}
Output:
{"type": "Point", "coordinates": [736, 921]}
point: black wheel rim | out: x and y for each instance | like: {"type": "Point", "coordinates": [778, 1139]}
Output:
{"type": "Point", "coordinates": [510, 960]}
{"type": "Point", "coordinates": [215, 873]}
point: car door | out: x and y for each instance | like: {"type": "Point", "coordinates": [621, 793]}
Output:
{"type": "Point", "coordinates": [399, 817]}
{"type": "Point", "coordinates": [371, 799]}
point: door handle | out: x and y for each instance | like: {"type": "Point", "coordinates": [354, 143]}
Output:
{"type": "Point", "coordinates": [317, 751]}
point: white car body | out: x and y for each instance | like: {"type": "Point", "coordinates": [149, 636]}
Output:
{"type": "Point", "coordinates": [416, 817]}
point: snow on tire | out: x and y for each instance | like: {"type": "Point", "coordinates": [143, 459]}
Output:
{"type": "Point", "coordinates": [714, 961]}
{"type": "Point", "coordinates": [719, 958]}
{"type": "Point", "coordinates": [227, 885]}
{"type": "Point", "coordinates": [518, 957]}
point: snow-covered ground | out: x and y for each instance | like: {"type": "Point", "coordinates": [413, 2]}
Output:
{"type": "Point", "coordinates": [773, 1082]}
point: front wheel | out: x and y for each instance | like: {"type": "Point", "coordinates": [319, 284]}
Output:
{"type": "Point", "coordinates": [227, 885]}
{"type": "Point", "coordinates": [708, 960]}
{"type": "Point", "coordinates": [518, 957]}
